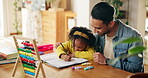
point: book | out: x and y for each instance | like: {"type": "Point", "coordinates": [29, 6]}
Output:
{"type": "Point", "coordinates": [8, 52]}
{"type": "Point", "coordinates": [53, 60]}
{"type": "Point", "coordinates": [7, 61]}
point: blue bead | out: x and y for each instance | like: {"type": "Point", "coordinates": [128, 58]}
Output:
{"type": "Point", "coordinates": [31, 73]}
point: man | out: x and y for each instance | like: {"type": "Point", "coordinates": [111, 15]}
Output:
{"type": "Point", "coordinates": [109, 31]}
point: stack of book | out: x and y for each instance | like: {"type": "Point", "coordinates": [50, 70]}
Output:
{"type": "Point", "coordinates": [8, 55]}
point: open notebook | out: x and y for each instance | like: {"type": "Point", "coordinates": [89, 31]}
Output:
{"type": "Point", "coordinates": [53, 60]}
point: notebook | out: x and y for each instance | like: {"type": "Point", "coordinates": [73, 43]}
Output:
{"type": "Point", "coordinates": [8, 52]}
{"type": "Point", "coordinates": [53, 60]}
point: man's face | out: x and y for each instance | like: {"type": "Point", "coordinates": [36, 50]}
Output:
{"type": "Point", "coordinates": [99, 27]}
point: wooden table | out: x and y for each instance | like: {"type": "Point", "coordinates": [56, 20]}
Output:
{"type": "Point", "coordinates": [99, 71]}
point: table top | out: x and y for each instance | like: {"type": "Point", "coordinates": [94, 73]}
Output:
{"type": "Point", "coordinates": [99, 71]}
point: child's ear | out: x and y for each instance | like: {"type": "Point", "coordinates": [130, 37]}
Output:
{"type": "Point", "coordinates": [111, 24]}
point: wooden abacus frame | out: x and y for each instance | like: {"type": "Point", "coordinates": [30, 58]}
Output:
{"type": "Point", "coordinates": [39, 67]}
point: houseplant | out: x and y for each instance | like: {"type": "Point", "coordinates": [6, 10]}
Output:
{"type": "Point", "coordinates": [16, 20]}
{"type": "Point", "coordinates": [133, 51]}
{"type": "Point", "coordinates": [117, 4]}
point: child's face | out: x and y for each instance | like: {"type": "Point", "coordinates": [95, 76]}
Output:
{"type": "Point", "coordinates": [79, 45]}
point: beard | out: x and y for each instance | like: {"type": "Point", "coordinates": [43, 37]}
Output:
{"type": "Point", "coordinates": [103, 34]}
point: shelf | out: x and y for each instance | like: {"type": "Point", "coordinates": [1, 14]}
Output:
{"type": "Point", "coordinates": [55, 26]}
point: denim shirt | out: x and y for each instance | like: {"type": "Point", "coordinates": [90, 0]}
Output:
{"type": "Point", "coordinates": [132, 64]}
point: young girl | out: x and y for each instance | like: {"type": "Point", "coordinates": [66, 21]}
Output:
{"type": "Point", "coordinates": [80, 44]}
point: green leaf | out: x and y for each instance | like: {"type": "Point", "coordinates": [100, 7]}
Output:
{"type": "Point", "coordinates": [136, 50]}
{"type": "Point", "coordinates": [116, 59]}
{"type": "Point", "coordinates": [128, 40]}
{"type": "Point", "coordinates": [133, 51]}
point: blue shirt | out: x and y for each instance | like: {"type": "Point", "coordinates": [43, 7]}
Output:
{"type": "Point", "coordinates": [132, 64]}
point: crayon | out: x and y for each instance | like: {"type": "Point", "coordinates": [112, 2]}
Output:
{"type": "Point", "coordinates": [89, 67]}
{"type": "Point", "coordinates": [79, 67]}
{"type": "Point", "coordinates": [86, 63]}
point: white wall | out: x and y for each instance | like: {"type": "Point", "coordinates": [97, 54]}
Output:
{"type": "Point", "coordinates": [1, 33]}
{"type": "Point", "coordinates": [7, 17]}
{"type": "Point", "coordinates": [137, 15]}
{"type": "Point", "coordinates": [83, 8]}
{"type": "Point", "coordinates": [3, 18]}
{"type": "Point", "coordinates": [83, 13]}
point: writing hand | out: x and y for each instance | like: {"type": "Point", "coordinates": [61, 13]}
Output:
{"type": "Point", "coordinates": [66, 57]}
{"type": "Point", "coordinates": [99, 58]}
{"type": "Point", "coordinates": [72, 54]}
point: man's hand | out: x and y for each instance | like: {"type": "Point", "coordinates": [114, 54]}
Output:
{"type": "Point", "coordinates": [99, 58]}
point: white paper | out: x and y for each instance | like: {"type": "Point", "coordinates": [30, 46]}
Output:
{"type": "Point", "coordinates": [8, 50]}
{"type": "Point", "coordinates": [53, 60]}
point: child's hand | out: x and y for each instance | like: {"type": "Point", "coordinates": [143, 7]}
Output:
{"type": "Point", "coordinates": [72, 55]}
{"type": "Point", "coordinates": [66, 57]}
{"type": "Point", "coordinates": [57, 44]}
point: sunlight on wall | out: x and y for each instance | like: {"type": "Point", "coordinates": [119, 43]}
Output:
{"type": "Point", "coordinates": [83, 13]}
{"type": "Point", "coordinates": [1, 18]}
{"type": "Point", "coordinates": [0, 14]}
{"type": "Point", "coordinates": [82, 8]}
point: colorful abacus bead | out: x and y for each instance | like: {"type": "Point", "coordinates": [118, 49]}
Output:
{"type": "Point", "coordinates": [31, 73]}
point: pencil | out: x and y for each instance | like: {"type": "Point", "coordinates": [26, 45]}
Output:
{"type": "Point", "coordinates": [66, 51]}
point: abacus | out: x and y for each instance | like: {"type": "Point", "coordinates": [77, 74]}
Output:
{"type": "Point", "coordinates": [28, 58]}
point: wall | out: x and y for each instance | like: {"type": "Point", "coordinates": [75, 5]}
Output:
{"type": "Point", "coordinates": [82, 8]}
{"type": "Point", "coordinates": [3, 18]}
{"type": "Point", "coordinates": [7, 17]}
{"type": "Point", "coordinates": [137, 15]}
{"type": "Point", "coordinates": [83, 13]}
{"type": "Point", "coordinates": [1, 4]}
